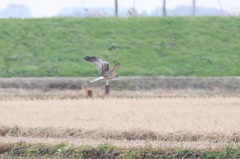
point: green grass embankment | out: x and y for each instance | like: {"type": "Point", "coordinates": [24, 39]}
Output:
{"type": "Point", "coordinates": [173, 46]}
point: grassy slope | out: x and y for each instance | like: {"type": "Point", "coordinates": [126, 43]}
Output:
{"type": "Point", "coordinates": [201, 46]}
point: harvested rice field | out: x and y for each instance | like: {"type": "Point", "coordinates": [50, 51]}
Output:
{"type": "Point", "coordinates": [197, 123]}
{"type": "Point", "coordinates": [103, 117]}
{"type": "Point", "coordinates": [167, 115]}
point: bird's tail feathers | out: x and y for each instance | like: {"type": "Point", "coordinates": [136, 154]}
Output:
{"type": "Point", "coordinates": [97, 79]}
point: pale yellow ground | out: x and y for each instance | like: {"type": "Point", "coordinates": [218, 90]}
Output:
{"type": "Point", "coordinates": [201, 115]}
{"type": "Point", "coordinates": [161, 115]}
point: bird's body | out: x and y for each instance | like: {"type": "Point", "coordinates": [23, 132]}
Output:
{"type": "Point", "coordinates": [103, 68]}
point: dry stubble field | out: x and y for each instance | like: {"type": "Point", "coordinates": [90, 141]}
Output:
{"type": "Point", "coordinates": [195, 122]}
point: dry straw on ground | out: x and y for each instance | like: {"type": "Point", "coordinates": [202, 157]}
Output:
{"type": "Point", "coordinates": [167, 115]}
{"type": "Point", "coordinates": [167, 122]}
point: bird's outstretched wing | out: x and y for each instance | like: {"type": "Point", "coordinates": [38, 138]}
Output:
{"type": "Point", "coordinates": [113, 69]}
{"type": "Point", "coordinates": [116, 66]}
{"type": "Point", "coordinates": [101, 65]}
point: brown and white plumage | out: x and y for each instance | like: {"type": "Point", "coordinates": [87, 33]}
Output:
{"type": "Point", "coordinates": [103, 68]}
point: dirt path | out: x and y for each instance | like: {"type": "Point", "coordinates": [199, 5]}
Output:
{"type": "Point", "coordinates": [135, 83]}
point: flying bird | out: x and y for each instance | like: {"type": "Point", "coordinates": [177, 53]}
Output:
{"type": "Point", "coordinates": [103, 68]}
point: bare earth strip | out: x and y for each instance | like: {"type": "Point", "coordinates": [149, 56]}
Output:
{"type": "Point", "coordinates": [30, 94]}
{"type": "Point", "coordinates": [159, 116]}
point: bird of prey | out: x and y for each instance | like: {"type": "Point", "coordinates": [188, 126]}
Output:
{"type": "Point", "coordinates": [103, 68]}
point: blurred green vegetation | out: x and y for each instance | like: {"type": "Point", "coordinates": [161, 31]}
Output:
{"type": "Point", "coordinates": [172, 46]}
{"type": "Point", "coordinates": [65, 150]}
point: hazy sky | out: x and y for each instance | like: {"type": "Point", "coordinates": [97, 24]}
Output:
{"type": "Point", "coordinates": [48, 8]}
